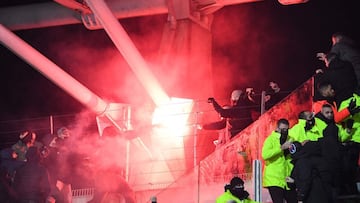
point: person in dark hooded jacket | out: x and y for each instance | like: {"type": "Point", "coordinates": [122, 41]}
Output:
{"type": "Point", "coordinates": [238, 115]}
{"type": "Point", "coordinates": [235, 192]}
{"type": "Point", "coordinates": [347, 50]}
{"type": "Point", "coordinates": [340, 74]}
{"type": "Point", "coordinates": [317, 167]}
{"type": "Point", "coordinates": [307, 171]}
{"type": "Point", "coordinates": [31, 181]}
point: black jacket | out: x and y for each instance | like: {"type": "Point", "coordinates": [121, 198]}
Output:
{"type": "Point", "coordinates": [31, 181]}
{"type": "Point", "coordinates": [341, 75]}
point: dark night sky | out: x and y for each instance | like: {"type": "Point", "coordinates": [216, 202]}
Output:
{"type": "Point", "coordinates": [253, 44]}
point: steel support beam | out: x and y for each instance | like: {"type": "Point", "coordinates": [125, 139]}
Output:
{"type": "Point", "coordinates": [127, 48]}
{"type": "Point", "coordinates": [51, 71]}
{"type": "Point", "coordinates": [49, 14]}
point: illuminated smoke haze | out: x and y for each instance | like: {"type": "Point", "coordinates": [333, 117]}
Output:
{"type": "Point", "coordinates": [91, 58]}
{"type": "Point", "coordinates": [252, 45]}
{"type": "Point", "coordinates": [98, 65]}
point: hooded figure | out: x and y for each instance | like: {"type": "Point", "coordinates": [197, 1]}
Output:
{"type": "Point", "coordinates": [235, 192]}
{"type": "Point", "coordinates": [313, 172]}
{"type": "Point", "coordinates": [308, 166]}
{"type": "Point", "coordinates": [237, 188]}
{"type": "Point", "coordinates": [331, 152]}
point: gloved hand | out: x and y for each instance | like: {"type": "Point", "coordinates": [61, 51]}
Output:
{"type": "Point", "coordinates": [353, 109]}
{"type": "Point", "coordinates": [211, 100]}
{"type": "Point", "coordinates": [319, 70]}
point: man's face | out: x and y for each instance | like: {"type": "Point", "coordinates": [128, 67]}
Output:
{"type": "Point", "coordinates": [327, 112]}
{"type": "Point", "coordinates": [327, 92]}
{"type": "Point", "coordinates": [64, 134]}
{"type": "Point", "coordinates": [282, 128]}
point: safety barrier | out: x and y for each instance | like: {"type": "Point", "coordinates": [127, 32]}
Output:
{"type": "Point", "coordinates": [82, 195]}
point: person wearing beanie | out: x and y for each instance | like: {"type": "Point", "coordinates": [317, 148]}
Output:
{"type": "Point", "coordinates": [235, 192]}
